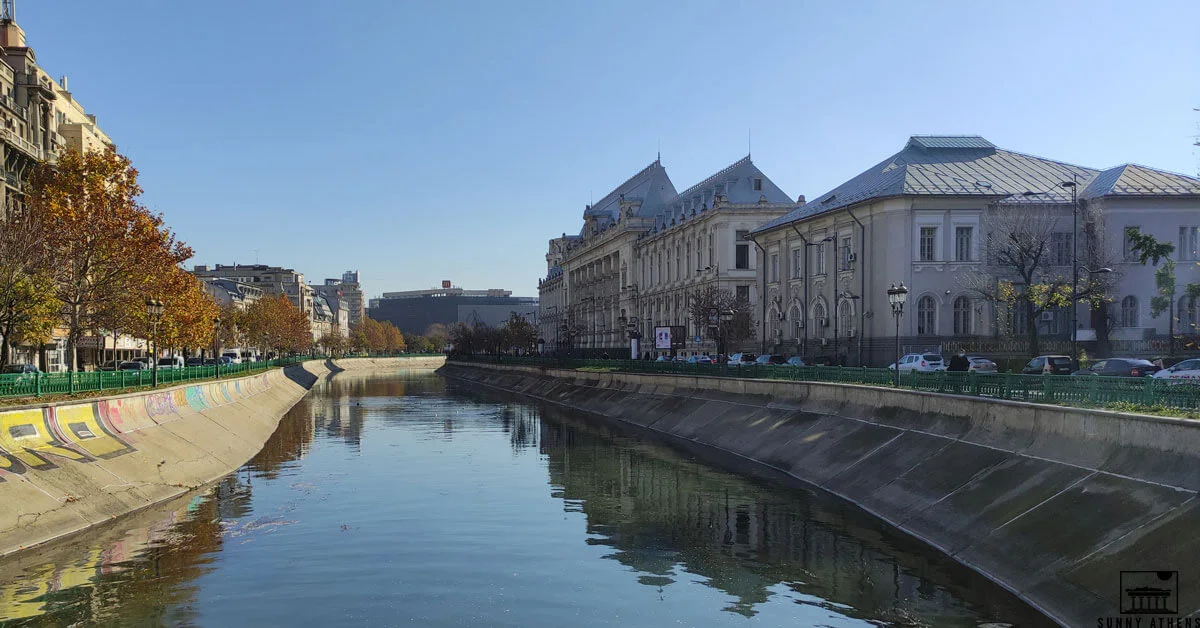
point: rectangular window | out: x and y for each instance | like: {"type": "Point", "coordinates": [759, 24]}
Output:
{"type": "Point", "coordinates": [741, 250]}
{"type": "Point", "coordinates": [1127, 244]}
{"type": "Point", "coordinates": [710, 250]}
{"type": "Point", "coordinates": [819, 258]}
{"type": "Point", "coordinates": [847, 253]}
{"type": "Point", "coordinates": [1189, 243]}
{"type": "Point", "coordinates": [964, 241]}
{"type": "Point", "coordinates": [928, 247]}
{"type": "Point", "coordinates": [774, 267]}
{"type": "Point", "coordinates": [797, 258]}
{"type": "Point", "coordinates": [743, 294]}
{"type": "Point", "coordinates": [758, 185]}
{"type": "Point", "coordinates": [1060, 248]}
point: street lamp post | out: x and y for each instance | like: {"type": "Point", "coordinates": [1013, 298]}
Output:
{"type": "Point", "coordinates": [217, 344]}
{"type": "Point", "coordinates": [716, 304]}
{"type": "Point", "coordinates": [154, 311]}
{"type": "Point", "coordinates": [896, 297]}
{"type": "Point", "coordinates": [1074, 270]}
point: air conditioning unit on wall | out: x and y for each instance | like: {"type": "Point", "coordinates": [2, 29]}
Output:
{"type": "Point", "coordinates": [1047, 317]}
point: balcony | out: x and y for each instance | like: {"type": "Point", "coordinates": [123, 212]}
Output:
{"type": "Point", "coordinates": [11, 104]}
{"type": "Point", "coordinates": [22, 144]}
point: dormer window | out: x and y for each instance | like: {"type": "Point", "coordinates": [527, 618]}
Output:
{"type": "Point", "coordinates": [757, 184]}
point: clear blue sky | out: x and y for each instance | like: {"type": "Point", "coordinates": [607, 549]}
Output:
{"type": "Point", "coordinates": [421, 141]}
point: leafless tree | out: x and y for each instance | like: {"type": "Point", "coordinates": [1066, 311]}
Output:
{"type": "Point", "coordinates": [1022, 271]}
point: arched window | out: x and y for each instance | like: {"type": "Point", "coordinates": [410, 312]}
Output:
{"type": "Point", "coordinates": [962, 316]}
{"type": "Point", "coordinates": [926, 316]}
{"type": "Point", "coordinates": [845, 317]}
{"type": "Point", "coordinates": [819, 317]}
{"type": "Point", "coordinates": [1189, 314]}
{"type": "Point", "coordinates": [1129, 311]}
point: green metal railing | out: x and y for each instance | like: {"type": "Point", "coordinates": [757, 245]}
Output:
{"type": "Point", "coordinates": [38, 384]}
{"type": "Point", "coordinates": [1087, 391]}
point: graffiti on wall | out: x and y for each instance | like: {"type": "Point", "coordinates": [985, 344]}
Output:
{"type": "Point", "coordinates": [42, 438]}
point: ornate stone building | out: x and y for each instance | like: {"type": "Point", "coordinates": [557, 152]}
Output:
{"type": "Point", "coordinates": [641, 251]}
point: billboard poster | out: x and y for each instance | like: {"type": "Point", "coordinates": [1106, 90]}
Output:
{"type": "Point", "coordinates": [662, 337]}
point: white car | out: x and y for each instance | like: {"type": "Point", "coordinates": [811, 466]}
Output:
{"type": "Point", "coordinates": [980, 364]}
{"type": "Point", "coordinates": [923, 362]}
{"type": "Point", "coordinates": [1185, 370]}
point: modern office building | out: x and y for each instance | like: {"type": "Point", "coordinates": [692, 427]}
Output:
{"type": "Point", "coordinates": [414, 311]}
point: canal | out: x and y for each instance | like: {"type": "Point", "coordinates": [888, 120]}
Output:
{"type": "Point", "coordinates": [404, 498]}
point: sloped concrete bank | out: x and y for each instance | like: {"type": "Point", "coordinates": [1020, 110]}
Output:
{"type": "Point", "coordinates": [68, 467]}
{"type": "Point", "coordinates": [1051, 503]}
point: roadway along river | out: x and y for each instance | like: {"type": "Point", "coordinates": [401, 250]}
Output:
{"type": "Point", "coordinates": [406, 499]}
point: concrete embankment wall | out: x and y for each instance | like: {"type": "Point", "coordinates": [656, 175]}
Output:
{"type": "Point", "coordinates": [1052, 503]}
{"type": "Point", "coordinates": [70, 466]}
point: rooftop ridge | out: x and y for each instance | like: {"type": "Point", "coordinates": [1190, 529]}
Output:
{"type": "Point", "coordinates": [712, 177]}
{"type": "Point", "coordinates": [644, 171]}
{"type": "Point", "coordinates": [1153, 169]}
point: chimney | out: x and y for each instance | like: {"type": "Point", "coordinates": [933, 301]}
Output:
{"type": "Point", "coordinates": [201, 268]}
{"type": "Point", "coordinates": [63, 82]}
{"type": "Point", "coordinates": [800, 200]}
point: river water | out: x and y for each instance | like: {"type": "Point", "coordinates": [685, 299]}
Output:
{"type": "Point", "coordinates": [407, 499]}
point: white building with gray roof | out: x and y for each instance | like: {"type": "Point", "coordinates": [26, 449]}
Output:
{"type": "Point", "coordinates": [922, 217]}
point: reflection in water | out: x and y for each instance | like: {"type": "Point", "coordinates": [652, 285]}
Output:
{"type": "Point", "coordinates": [507, 513]}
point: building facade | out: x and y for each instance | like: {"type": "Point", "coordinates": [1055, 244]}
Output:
{"type": "Point", "coordinates": [40, 118]}
{"type": "Point", "coordinates": [935, 216]}
{"type": "Point", "coordinates": [230, 293]}
{"type": "Point", "coordinates": [642, 253]}
{"type": "Point", "coordinates": [413, 311]}
{"type": "Point", "coordinates": [333, 293]}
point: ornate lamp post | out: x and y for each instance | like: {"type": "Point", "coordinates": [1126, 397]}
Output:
{"type": "Point", "coordinates": [154, 311]}
{"type": "Point", "coordinates": [897, 295]}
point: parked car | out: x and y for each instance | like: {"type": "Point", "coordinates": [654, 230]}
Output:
{"type": "Point", "coordinates": [133, 365]}
{"type": "Point", "coordinates": [1048, 365]}
{"type": "Point", "coordinates": [767, 360]}
{"type": "Point", "coordinates": [195, 362]}
{"type": "Point", "coordinates": [980, 364]}
{"type": "Point", "coordinates": [824, 360]}
{"type": "Point", "coordinates": [1119, 367]}
{"type": "Point", "coordinates": [111, 365]}
{"type": "Point", "coordinates": [19, 369]}
{"type": "Point", "coordinates": [700, 359]}
{"type": "Point", "coordinates": [922, 362]}
{"type": "Point", "coordinates": [1185, 370]}
{"type": "Point", "coordinates": [171, 363]}
{"type": "Point", "coordinates": [795, 361]}
{"type": "Point", "coordinates": [741, 359]}
{"type": "Point", "coordinates": [663, 358]}
{"type": "Point", "coordinates": [235, 357]}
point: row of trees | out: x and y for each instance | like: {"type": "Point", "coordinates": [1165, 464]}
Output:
{"type": "Point", "coordinates": [272, 323]}
{"type": "Point", "coordinates": [81, 252]}
{"type": "Point", "coordinates": [516, 335]}
{"type": "Point", "coordinates": [376, 337]}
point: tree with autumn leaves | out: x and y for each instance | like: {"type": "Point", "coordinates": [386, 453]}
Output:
{"type": "Point", "coordinates": [275, 324]}
{"type": "Point", "coordinates": [376, 337]}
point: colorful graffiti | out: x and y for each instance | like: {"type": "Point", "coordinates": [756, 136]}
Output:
{"type": "Point", "coordinates": [40, 438]}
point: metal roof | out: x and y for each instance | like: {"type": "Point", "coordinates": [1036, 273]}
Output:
{"type": "Point", "coordinates": [968, 166]}
{"type": "Point", "coordinates": [1135, 180]}
{"type": "Point", "coordinates": [950, 141]}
